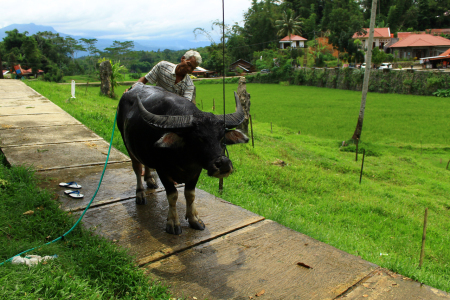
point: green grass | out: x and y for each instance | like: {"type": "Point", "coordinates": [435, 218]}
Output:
{"type": "Point", "coordinates": [318, 191]}
{"type": "Point", "coordinates": [331, 113]}
{"type": "Point", "coordinates": [87, 267]}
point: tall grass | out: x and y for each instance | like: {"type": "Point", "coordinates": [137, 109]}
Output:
{"type": "Point", "coordinates": [317, 192]}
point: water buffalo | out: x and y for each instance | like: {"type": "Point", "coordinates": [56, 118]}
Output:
{"type": "Point", "coordinates": [168, 133]}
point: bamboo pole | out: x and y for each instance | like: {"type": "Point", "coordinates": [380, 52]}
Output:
{"type": "Point", "coordinates": [424, 236]}
{"type": "Point", "coordinates": [362, 166]}
{"type": "Point", "coordinates": [251, 129]}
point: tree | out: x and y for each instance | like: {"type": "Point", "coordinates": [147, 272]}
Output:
{"type": "Point", "coordinates": [120, 50]}
{"type": "Point", "coordinates": [259, 29]}
{"type": "Point", "coordinates": [89, 45]}
{"type": "Point", "coordinates": [289, 25]}
{"type": "Point", "coordinates": [73, 46]}
{"type": "Point", "coordinates": [344, 20]}
{"type": "Point", "coordinates": [357, 134]}
{"type": "Point", "coordinates": [378, 56]}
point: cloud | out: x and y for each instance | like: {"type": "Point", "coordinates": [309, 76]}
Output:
{"type": "Point", "coordinates": [115, 19]}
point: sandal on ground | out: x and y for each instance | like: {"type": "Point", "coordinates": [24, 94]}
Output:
{"type": "Point", "coordinates": [72, 185]}
{"type": "Point", "coordinates": [74, 194]}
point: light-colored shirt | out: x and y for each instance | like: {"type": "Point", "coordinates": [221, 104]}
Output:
{"type": "Point", "coordinates": [163, 74]}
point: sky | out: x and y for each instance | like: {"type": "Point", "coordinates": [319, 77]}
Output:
{"type": "Point", "coordinates": [122, 20]}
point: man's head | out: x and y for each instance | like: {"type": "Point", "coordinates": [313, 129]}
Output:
{"type": "Point", "coordinates": [189, 61]}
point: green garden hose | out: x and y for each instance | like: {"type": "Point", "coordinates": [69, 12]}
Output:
{"type": "Point", "coordinates": [87, 207]}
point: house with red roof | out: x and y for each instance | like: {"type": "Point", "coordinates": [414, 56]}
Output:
{"type": "Point", "coordinates": [293, 41]}
{"type": "Point", "coordinates": [420, 46]}
{"type": "Point", "coordinates": [381, 37]}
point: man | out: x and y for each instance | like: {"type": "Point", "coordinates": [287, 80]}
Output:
{"type": "Point", "coordinates": [174, 78]}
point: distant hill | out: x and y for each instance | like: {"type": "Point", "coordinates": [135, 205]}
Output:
{"type": "Point", "coordinates": [142, 45]}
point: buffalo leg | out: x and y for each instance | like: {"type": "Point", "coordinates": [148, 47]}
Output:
{"type": "Point", "coordinates": [137, 168]}
{"type": "Point", "coordinates": [173, 222]}
{"type": "Point", "coordinates": [149, 179]}
{"type": "Point", "coordinates": [191, 211]}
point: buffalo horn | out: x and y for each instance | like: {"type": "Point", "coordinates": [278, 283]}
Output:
{"type": "Point", "coordinates": [164, 121]}
{"type": "Point", "coordinates": [236, 118]}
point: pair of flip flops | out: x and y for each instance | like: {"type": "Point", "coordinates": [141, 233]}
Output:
{"type": "Point", "coordinates": [72, 185]}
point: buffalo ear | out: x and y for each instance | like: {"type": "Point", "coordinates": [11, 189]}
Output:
{"type": "Point", "coordinates": [235, 137]}
{"type": "Point", "coordinates": [170, 140]}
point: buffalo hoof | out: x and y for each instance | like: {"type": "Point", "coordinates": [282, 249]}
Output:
{"type": "Point", "coordinates": [198, 225]}
{"type": "Point", "coordinates": [140, 200]}
{"type": "Point", "coordinates": [151, 183]}
{"type": "Point", "coordinates": [176, 229]}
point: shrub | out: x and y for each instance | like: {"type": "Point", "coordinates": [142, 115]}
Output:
{"type": "Point", "coordinates": [135, 75]}
{"type": "Point", "coordinates": [53, 74]}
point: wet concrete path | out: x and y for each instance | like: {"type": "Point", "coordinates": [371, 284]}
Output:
{"type": "Point", "coordinates": [239, 255]}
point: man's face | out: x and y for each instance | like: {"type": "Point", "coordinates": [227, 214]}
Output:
{"type": "Point", "coordinates": [187, 66]}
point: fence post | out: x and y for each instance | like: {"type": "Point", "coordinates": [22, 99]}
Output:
{"type": "Point", "coordinates": [424, 236]}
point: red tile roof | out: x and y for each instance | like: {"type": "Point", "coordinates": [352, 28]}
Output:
{"type": "Point", "coordinates": [421, 40]}
{"type": "Point", "coordinates": [378, 32]}
{"type": "Point", "coordinates": [446, 54]}
{"type": "Point", "coordinates": [294, 37]}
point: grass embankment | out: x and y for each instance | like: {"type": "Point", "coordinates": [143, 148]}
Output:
{"type": "Point", "coordinates": [87, 267]}
{"type": "Point", "coordinates": [317, 192]}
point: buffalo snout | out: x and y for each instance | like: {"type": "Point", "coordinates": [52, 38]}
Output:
{"type": "Point", "coordinates": [220, 167]}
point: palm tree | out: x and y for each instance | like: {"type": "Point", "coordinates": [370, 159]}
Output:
{"type": "Point", "coordinates": [289, 25]}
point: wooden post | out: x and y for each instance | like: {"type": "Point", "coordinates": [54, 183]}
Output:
{"type": "Point", "coordinates": [87, 84]}
{"type": "Point", "coordinates": [424, 235]}
{"type": "Point", "coordinates": [214, 104]}
{"type": "Point", "coordinates": [220, 185]}
{"type": "Point", "coordinates": [362, 165]}
{"type": "Point", "coordinates": [356, 156]}
{"type": "Point", "coordinates": [251, 130]}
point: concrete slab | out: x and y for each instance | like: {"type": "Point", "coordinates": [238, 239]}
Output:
{"type": "Point", "coordinates": [5, 102]}
{"type": "Point", "coordinates": [46, 135]}
{"type": "Point", "coordinates": [141, 228]}
{"type": "Point", "coordinates": [261, 257]}
{"type": "Point", "coordinates": [119, 183]}
{"type": "Point", "coordinates": [383, 284]}
{"type": "Point", "coordinates": [68, 155]}
{"type": "Point", "coordinates": [30, 110]}
{"type": "Point", "coordinates": [20, 121]}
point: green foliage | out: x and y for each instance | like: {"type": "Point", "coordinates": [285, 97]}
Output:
{"type": "Point", "coordinates": [442, 93]}
{"type": "Point", "coordinates": [289, 24]}
{"type": "Point", "coordinates": [135, 75]}
{"type": "Point", "coordinates": [53, 74]}
{"type": "Point", "coordinates": [434, 81]}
